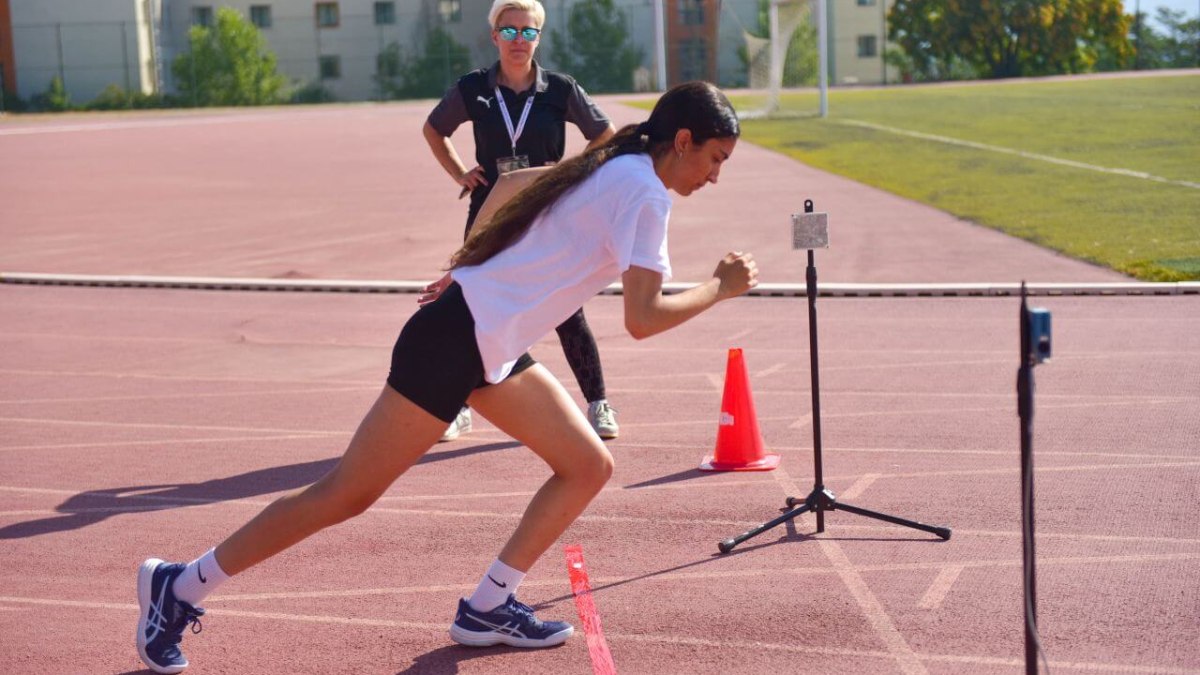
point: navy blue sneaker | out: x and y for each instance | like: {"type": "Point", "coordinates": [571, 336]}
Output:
{"type": "Point", "coordinates": [512, 623]}
{"type": "Point", "coordinates": [160, 627]}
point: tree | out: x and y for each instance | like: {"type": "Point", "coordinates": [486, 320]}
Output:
{"type": "Point", "coordinates": [1010, 38]}
{"type": "Point", "coordinates": [596, 49]}
{"type": "Point", "coordinates": [228, 64]}
{"type": "Point", "coordinates": [54, 99]}
{"type": "Point", "coordinates": [425, 75]}
{"type": "Point", "coordinates": [1178, 48]}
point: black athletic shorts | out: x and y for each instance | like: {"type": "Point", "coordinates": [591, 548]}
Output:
{"type": "Point", "coordinates": [436, 362]}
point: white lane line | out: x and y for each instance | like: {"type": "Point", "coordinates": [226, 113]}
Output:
{"type": "Point", "coordinates": [876, 615]}
{"type": "Point", "coordinates": [232, 340]}
{"type": "Point", "coordinates": [717, 645]}
{"type": "Point", "coordinates": [164, 441]}
{"type": "Point", "coordinates": [190, 395]}
{"type": "Point", "coordinates": [739, 335]}
{"type": "Point", "coordinates": [60, 374]}
{"type": "Point", "coordinates": [802, 423]}
{"type": "Point", "coordinates": [1003, 408]}
{"type": "Point", "coordinates": [485, 434]}
{"type": "Point", "coordinates": [940, 587]}
{"type": "Point", "coordinates": [319, 618]}
{"type": "Point", "coordinates": [935, 451]}
{"type": "Point", "coordinates": [815, 570]}
{"type": "Point", "coordinates": [771, 371]}
{"type": "Point", "coordinates": [1129, 173]}
{"type": "Point", "coordinates": [161, 123]}
{"type": "Point", "coordinates": [148, 425]}
{"type": "Point", "coordinates": [860, 486]}
{"type": "Point", "coordinates": [74, 511]}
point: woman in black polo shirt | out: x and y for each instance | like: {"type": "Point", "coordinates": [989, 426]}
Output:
{"type": "Point", "coordinates": [519, 112]}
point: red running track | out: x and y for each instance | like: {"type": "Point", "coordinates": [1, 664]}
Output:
{"type": "Point", "coordinates": [143, 422]}
{"type": "Point", "coordinates": [153, 422]}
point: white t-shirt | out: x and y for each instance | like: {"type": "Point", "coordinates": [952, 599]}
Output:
{"type": "Point", "coordinates": [614, 219]}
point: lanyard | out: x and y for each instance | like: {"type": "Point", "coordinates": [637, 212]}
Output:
{"type": "Point", "coordinates": [514, 135]}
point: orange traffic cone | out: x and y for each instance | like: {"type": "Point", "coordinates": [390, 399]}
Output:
{"type": "Point", "coordinates": [739, 444]}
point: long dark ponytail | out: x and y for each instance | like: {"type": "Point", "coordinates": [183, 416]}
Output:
{"type": "Point", "coordinates": [697, 106]}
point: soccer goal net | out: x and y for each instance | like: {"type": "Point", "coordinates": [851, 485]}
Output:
{"type": "Point", "coordinates": [780, 53]}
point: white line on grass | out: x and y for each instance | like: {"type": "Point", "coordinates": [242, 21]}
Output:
{"type": "Point", "coordinates": [1019, 153]}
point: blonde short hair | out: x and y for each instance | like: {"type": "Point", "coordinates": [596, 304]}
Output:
{"type": "Point", "coordinates": [532, 6]}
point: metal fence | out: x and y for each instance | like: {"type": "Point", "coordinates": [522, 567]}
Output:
{"type": "Point", "coordinates": [87, 57]}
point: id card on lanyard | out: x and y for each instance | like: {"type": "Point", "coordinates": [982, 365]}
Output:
{"type": "Point", "coordinates": [515, 161]}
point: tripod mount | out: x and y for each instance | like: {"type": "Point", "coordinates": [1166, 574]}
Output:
{"type": "Point", "coordinates": [809, 231]}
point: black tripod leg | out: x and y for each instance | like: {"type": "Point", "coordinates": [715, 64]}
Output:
{"type": "Point", "coordinates": [727, 545]}
{"type": "Point", "coordinates": [943, 532]}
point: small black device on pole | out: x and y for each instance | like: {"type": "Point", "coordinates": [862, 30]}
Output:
{"type": "Point", "coordinates": [1035, 349]}
{"type": "Point", "coordinates": [811, 230]}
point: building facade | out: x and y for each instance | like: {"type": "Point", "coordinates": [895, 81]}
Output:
{"type": "Point", "coordinates": [8, 69]}
{"type": "Point", "coordinates": [89, 45]}
{"type": "Point", "coordinates": [858, 40]}
{"type": "Point", "coordinates": [336, 43]}
{"type": "Point", "coordinates": [692, 39]}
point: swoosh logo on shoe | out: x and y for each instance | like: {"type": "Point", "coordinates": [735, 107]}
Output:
{"type": "Point", "coordinates": [200, 574]}
{"type": "Point", "coordinates": [497, 582]}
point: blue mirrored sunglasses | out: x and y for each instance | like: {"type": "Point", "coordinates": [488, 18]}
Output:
{"type": "Point", "coordinates": [509, 33]}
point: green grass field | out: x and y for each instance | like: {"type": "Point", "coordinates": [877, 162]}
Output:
{"type": "Point", "coordinates": [1146, 228]}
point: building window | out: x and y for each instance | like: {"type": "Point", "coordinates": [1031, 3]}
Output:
{"type": "Point", "coordinates": [866, 3]}
{"type": "Point", "coordinates": [693, 60]}
{"type": "Point", "coordinates": [327, 15]}
{"type": "Point", "coordinates": [450, 11]}
{"type": "Point", "coordinates": [691, 12]}
{"type": "Point", "coordinates": [260, 15]}
{"type": "Point", "coordinates": [331, 67]}
{"type": "Point", "coordinates": [202, 16]}
{"type": "Point", "coordinates": [866, 46]}
{"type": "Point", "coordinates": [385, 13]}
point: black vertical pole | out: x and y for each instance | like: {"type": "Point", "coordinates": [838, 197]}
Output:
{"type": "Point", "coordinates": [1025, 411]}
{"type": "Point", "coordinates": [810, 286]}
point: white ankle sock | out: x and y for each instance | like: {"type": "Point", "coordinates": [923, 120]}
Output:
{"type": "Point", "coordinates": [497, 584]}
{"type": "Point", "coordinates": [202, 576]}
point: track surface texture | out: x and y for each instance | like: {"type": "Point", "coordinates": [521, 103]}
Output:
{"type": "Point", "coordinates": [152, 422]}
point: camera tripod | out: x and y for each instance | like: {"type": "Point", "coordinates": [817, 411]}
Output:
{"type": "Point", "coordinates": [809, 231]}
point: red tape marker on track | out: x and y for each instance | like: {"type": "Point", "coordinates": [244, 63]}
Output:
{"type": "Point", "coordinates": [602, 662]}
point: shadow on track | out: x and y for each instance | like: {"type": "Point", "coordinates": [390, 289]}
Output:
{"type": "Point", "coordinates": [446, 660]}
{"type": "Point", "coordinates": [95, 506]}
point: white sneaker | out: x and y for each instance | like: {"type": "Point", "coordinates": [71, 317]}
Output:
{"type": "Point", "coordinates": [603, 419]}
{"type": "Point", "coordinates": [461, 425]}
